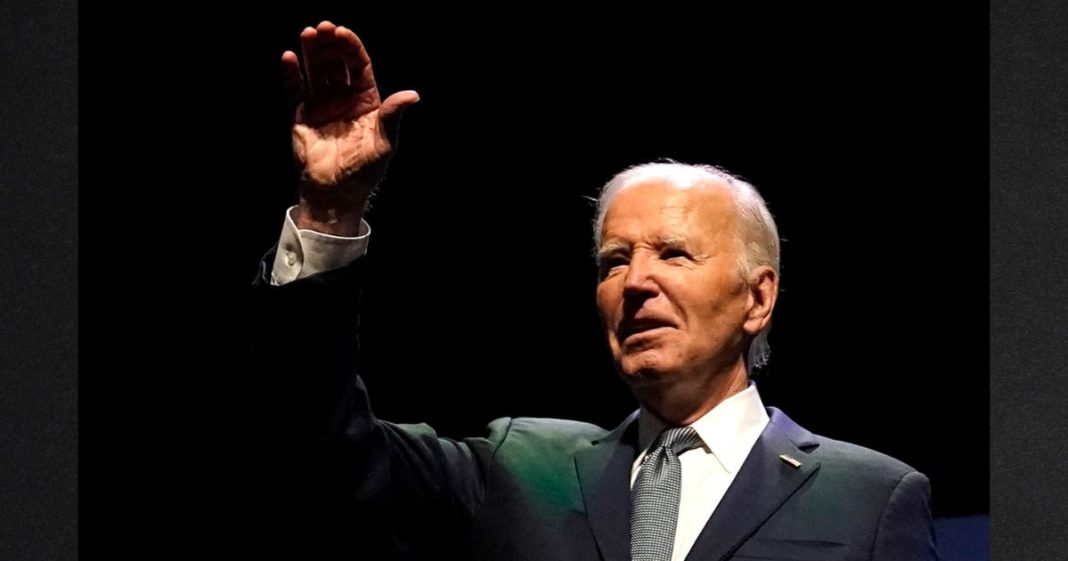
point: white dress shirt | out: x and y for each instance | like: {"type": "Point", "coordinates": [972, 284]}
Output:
{"type": "Point", "coordinates": [728, 432]}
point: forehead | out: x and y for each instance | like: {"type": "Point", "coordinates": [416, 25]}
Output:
{"type": "Point", "coordinates": [659, 208]}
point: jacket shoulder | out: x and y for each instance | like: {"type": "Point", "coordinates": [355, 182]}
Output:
{"type": "Point", "coordinates": [548, 443]}
{"type": "Point", "coordinates": [865, 461]}
{"type": "Point", "coordinates": [839, 454]}
{"type": "Point", "coordinates": [561, 435]}
{"type": "Point", "coordinates": [536, 459]}
{"type": "Point", "coordinates": [875, 503]}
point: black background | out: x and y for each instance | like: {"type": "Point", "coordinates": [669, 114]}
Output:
{"type": "Point", "coordinates": [864, 130]}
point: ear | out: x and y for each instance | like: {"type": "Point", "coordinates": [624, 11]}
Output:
{"type": "Point", "coordinates": [763, 291]}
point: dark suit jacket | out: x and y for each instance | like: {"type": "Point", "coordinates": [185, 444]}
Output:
{"type": "Point", "coordinates": [539, 489]}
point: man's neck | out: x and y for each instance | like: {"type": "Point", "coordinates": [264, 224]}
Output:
{"type": "Point", "coordinates": [682, 404]}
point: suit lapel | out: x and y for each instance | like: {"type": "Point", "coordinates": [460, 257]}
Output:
{"type": "Point", "coordinates": [763, 483]}
{"type": "Point", "coordinates": [604, 476]}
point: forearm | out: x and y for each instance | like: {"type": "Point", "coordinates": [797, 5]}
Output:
{"type": "Point", "coordinates": [318, 448]}
{"type": "Point", "coordinates": [316, 432]}
{"type": "Point", "coordinates": [305, 350]}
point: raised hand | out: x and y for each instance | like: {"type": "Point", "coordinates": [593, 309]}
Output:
{"type": "Point", "coordinates": [343, 134]}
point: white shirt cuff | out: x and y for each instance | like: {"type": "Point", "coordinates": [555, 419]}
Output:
{"type": "Point", "coordinates": [302, 253]}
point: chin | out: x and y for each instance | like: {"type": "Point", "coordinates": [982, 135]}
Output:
{"type": "Point", "coordinates": [644, 370]}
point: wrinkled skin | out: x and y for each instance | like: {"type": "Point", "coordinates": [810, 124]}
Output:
{"type": "Point", "coordinates": [343, 134]}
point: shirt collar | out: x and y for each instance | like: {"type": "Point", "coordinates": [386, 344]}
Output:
{"type": "Point", "coordinates": [728, 431]}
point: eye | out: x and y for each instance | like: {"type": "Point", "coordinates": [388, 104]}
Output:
{"type": "Point", "coordinates": [673, 253]}
{"type": "Point", "coordinates": [611, 262]}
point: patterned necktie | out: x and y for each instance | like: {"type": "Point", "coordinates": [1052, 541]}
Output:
{"type": "Point", "coordinates": [654, 498]}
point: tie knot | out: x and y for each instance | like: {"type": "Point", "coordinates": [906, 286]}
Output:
{"type": "Point", "coordinates": [680, 439]}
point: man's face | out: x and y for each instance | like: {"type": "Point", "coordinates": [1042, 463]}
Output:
{"type": "Point", "coordinates": [670, 295]}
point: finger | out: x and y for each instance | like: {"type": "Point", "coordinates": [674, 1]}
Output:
{"type": "Point", "coordinates": [291, 77]}
{"type": "Point", "coordinates": [314, 69]}
{"type": "Point", "coordinates": [392, 109]}
{"type": "Point", "coordinates": [361, 76]}
{"type": "Point", "coordinates": [333, 62]}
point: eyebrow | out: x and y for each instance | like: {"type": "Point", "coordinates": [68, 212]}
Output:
{"type": "Point", "coordinates": [609, 248]}
{"type": "Point", "coordinates": [672, 241]}
{"type": "Point", "coordinates": [614, 246]}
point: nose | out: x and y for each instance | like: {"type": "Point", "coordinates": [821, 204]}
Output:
{"type": "Point", "coordinates": [638, 282]}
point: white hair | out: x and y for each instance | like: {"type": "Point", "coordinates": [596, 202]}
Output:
{"type": "Point", "coordinates": [757, 235]}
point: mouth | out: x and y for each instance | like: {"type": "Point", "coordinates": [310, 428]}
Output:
{"type": "Point", "coordinates": [628, 329]}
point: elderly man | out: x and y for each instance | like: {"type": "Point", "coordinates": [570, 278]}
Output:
{"type": "Point", "coordinates": [688, 261]}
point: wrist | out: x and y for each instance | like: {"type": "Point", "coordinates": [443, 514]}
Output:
{"type": "Point", "coordinates": [344, 222]}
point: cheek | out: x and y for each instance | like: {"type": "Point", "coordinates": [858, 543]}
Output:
{"type": "Point", "coordinates": [723, 321]}
{"type": "Point", "coordinates": [716, 318]}
{"type": "Point", "coordinates": [606, 305]}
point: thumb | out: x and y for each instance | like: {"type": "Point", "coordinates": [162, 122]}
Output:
{"type": "Point", "coordinates": [392, 108]}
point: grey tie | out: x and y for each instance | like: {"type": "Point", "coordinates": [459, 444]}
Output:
{"type": "Point", "coordinates": [654, 499]}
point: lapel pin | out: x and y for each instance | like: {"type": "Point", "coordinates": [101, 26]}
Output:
{"type": "Point", "coordinates": [790, 461]}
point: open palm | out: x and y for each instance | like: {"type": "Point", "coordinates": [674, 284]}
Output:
{"type": "Point", "coordinates": [343, 134]}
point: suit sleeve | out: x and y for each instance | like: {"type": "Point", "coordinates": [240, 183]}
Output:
{"type": "Point", "coordinates": [906, 532]}
{"type": "Point", "coordinates": [394, 488]}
